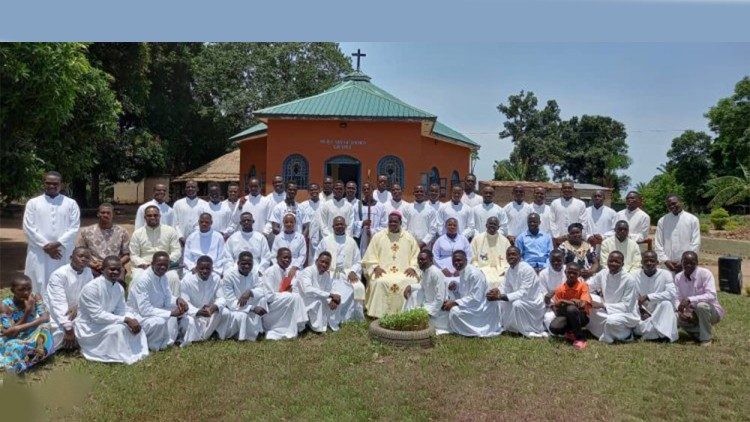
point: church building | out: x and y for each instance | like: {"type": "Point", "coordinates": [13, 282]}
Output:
{"type": "Point", "coordinates": [353, 131]}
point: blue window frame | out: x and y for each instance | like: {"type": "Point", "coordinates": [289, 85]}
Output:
{"type": "Point", "coordinates": [297, 170]}
{"type": "Point", "coordinates": [393, 168]}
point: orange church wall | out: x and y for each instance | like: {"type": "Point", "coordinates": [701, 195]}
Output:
{"type": "Point", "coordinates": [367, 141]}
{"type": "Point", "coordinates": [253, 153]}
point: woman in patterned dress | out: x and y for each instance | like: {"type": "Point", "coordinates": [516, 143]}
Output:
{"type": "Point", "coordinates": [25, 336]}
{"type": "Point", "coordinates": [579, 251]}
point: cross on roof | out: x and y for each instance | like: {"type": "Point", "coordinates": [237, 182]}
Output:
{"type": "Point", "coordinates": [358, 55]}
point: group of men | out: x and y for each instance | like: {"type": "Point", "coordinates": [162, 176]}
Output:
{"type": "Point", "coordinates": [246, 265]}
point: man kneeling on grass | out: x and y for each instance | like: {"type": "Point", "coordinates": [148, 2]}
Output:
{"type": "Point", "coordinates": [698, 307]}
{"type": "Point", "coordinates": [572, 306]}
{"type": "Point", "coordinates": [429, 293]}
{"type": "Point", "coordinates": [325, 301]}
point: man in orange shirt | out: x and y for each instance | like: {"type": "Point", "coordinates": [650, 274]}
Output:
{"type": "Point", "coordinates": [572, 305]}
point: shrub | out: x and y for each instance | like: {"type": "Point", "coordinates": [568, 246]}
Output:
{"type": "Point", "coordinates": [413, 320]}
{"type": "Point", "coordinates": [704, 228]}
{"type": "Point", "coordinates": [719, 218]}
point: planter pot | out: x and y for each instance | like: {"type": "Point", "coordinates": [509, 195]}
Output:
{"type": "Point", "coordinates": [421, 338]}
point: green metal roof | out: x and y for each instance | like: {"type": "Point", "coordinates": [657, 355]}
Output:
{"type": "Point", "coordinates": [355, 97]}
{"type": "Point", "coordinates": [254, 130]}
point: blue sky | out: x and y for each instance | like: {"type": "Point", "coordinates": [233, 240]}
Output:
{"type": "Point", "coordinates": [656, 90]}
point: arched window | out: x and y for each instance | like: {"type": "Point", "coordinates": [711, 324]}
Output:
{"type": "Point", "coordinates": [296, 170]}
{"type": "Point", "coordinates": [393, 168]}
{"type": "Point", "coordinates": [455, 179]}
{"type": "Point", "coordinates": [434, 176]}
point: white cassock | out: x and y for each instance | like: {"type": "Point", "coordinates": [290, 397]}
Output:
{"type": "Point", "coordinates": [222, 217]}
{"type": "Point", "coordinates": [235, 208]}
{"type": "Point", "coordinates": [401, 206]}
{"type": "Point", "coordinates": [295, 242]}
{"type": "Point", "coordinates": [286, 310]}
{"type": "Point", "coordinates": [336, 208]}
{"type": "Point", "coordinates": [523, 312]}
{"type": "Point", "coordinates": [639, 223]}
{"type": "Point", "coordinates": [620, 315]}
{"type": "Point", "coordinates": [150, 298]}
{"type": "Point", "coordinates": [599, 221]}
{"type": "Point", "coordinates": [435, 205]}
{"type": "Point", "coordinates": [472, 199]}
{"type": "Point", "coordinates": [246, 324]}
{"type": "Point", "coordinates": [322, 197]}
{"type": "Point", "coordinates": [422, 222]}
{"type": "Point", "coordinates": [676, 234]}
{"type": "Point", "coordinates": [563, 213]}
{"type": "Point", "coordinates": [550, 279]}
{"type": "Point", "coordinates": [146, 241]}
{"type": "Point", "coordinates": [315, 289]}
{"type": "Point", "coordinates": [382, 196]}
{"type": "Point", "coordinates": [378, 221]}
{"type": "Point", "coordinates": [62, 293]}
{"type": "Point", "coordinates": [430, 293]}
{"type": "Point", "coordinates": [312, 215]}
{"type": "Point", "coordinates": [483, 212]}
{"type": "Point", "coordinates": [276, 198]}
{"type": "Point", "coordinates": [186, 214]}
{"type": "Point", "coordinates": [166, 214]}
{"type": "Point", "coordinates": [517, 216]}
{"type": "Point", "coordinates": [281, 209]}
{"type": "Point", "coordinates": [545, 216]}
{"type": "Point", "coordinates": [443, 250]}
{"type": "Point", "coordinates": [662, 295]}
{"type": "Point", "coordinates": [463, 213]}
{"type": "Point", "coordinates": [197, 293]}
{"type": "Point", "coordinates": [260, 208]}
{"type": "Point", "coordinates": [345, 259]}
{"type": "Point", "coordinates": [629, 249]}
{"type": "Point", "coordinates": [210, 243]}
{"type": "Point", "coordinates": [488, 254]}
{"type": "Point", "coordinates": [47, 220]}
{"type": "Point", "coordinates": [100, 325]}
{"type": "Point", "coordinates": [474, 316]}
{"type": "Point", "coordinates": [242, 241]}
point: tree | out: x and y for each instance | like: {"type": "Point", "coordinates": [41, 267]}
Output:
{"type": "Point", "coordinates": [655, 192]}
{"type": "Point", "coordinates": [730, 120]}
{"type": "Point", "coordinates": [506, 170]}
{"type": "Point", "coordinates": [534, 133]}
{"type": "Point", "coordinates": [52, 109]}
{"type": "Point", "coordinates": [690, 160]}
{"type": "Point", "coordinates": [728, 190]}
{"type": "Point", "coordinates": [594, 151]}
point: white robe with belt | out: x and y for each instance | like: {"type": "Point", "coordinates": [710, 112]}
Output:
{"type": "Point", "coordinates": [474, 316]}
{"type": "Point", "coordinates": [315, 289]}
{"type": "Point", "coordinates": [100, 325]}
{"type": "Point", "coordinates": [662, 295]}
{"type": "Point", "coordinates": [620, 299]}
{"type": "Point", "coordinates": [287, 315]}
{"type": "Point", "coordinates": [246, 323]}
{"type": "Point", "coordinates": [197, 293]}
{"type": "Point", "coordinates": [430, 293]}
{"type": "Point", "coordinates": [47, 220]}
{"type": "Point", "coordinates": [345, 259]}
{"type": "Point", "coordinates": [523, 312]}
{"type": "Point", "coordinates": [62, 293]}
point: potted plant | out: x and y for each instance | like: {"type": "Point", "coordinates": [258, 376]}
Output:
{"type": "Point", "coordinates": [406, 329]}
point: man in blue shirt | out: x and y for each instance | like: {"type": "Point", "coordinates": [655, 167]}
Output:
{"type": "Point", "coordinates": [535, 245]}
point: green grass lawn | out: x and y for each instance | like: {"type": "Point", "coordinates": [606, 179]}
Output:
{"type": "Point", "coordinates": [344, 376]}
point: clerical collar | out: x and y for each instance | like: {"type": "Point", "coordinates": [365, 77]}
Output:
{"type": "Point", "coordinates": [652, 274]}
{"type": "Point", "coordinates": [50, 196]}
{"type": "Point", "coordinates": [518, 202]}
{"type": "Point", "coordinates": [216, 202]}
{"type": "Point", "coordinates": [248, 233]}
{"type": "Point", "coordinates": [488, 204]}
{"type": "Point", "coordinates": [448, 235]}
{"type": "Point", "coordinates": [208, 233]}
{"type": "Point", "coordinates": [339, 237]}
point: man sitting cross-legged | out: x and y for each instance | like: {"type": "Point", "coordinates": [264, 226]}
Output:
{"type": "Point", "coordinates": [103, 329]}
{"type": "Point", "coordinates": [615, 311]}
{"type": "Point", "coordinates": [61, 295]}
{"type": "Point", "coordinates": [656, 297]}
{"type": "Point", "coordinates": [429, 293]}
{"type": "Point", "coordinates": [346, 268]}
{"type": "Point", "coordinates": [390, 263]}
{"type": "Point", "coordinates": [159, 311]}
{"type": "Point", "coordinates": [286, 310]}
{"type": "Point", "coordinates": [245, 299]}
{"type": "Point", "coordinates": [572, 306]}
{"type": "Point", "coordinates": [326, 305]}
{"type": "Point", "coordinates": [698, 307]}
{"type": "Point", "coordinates": [521, 300]}
{"type": "Point", "coordinates": [471, 315]}
{"type": "Point", "coordinates": [207, 311]}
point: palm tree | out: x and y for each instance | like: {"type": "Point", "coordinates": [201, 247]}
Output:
{"type": "Point", "coordinates": [728, 190]}
{"type": "Point", "coordinates": [507, 170]}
